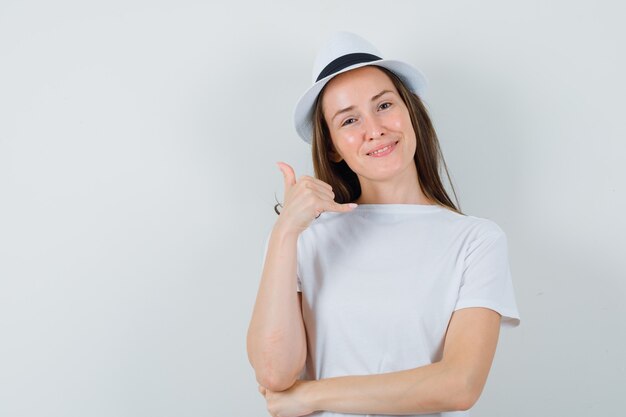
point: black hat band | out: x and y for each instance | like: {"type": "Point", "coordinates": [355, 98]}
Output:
{"type": "Point", "coordinates": [345, 61]}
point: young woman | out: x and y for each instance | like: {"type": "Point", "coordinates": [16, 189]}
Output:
{"type": "Point", "coordinates": [378, 296]}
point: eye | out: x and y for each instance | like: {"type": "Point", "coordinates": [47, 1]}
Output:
{"type": "Point", "coordinates": [345, 122]}
{"type": "Point", "coordinates": [384, 105]}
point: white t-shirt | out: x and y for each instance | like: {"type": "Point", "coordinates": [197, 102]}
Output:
{"type": "Point", "coordinates": [380, 283]}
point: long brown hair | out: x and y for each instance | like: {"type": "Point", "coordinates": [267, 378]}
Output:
{"type": "Point", "coordinates": [427, 157]}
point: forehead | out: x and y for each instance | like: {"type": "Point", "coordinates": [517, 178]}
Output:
{"type": "Point", "coordinates": [354, 85]}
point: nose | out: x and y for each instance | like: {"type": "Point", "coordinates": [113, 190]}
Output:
{"type": "Point", "coordinates": [374, 129]}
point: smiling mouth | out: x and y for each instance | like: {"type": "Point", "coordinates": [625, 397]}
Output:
{"type": "Point", "coordinates": [384, 151]}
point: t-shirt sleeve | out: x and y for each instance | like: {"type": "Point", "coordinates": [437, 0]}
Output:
{"type": "Point", "coordinates": [267, 243]}
{"type": "Point", "coordinates": [487, 280]}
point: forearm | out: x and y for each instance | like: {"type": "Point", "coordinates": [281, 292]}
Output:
{"type": "Point", "coordinates": [276, 339]}
{"type": "Point", "coordinates": [427, 389]}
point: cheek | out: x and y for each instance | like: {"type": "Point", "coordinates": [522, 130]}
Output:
{"type": "Point", "coordinates": [402, 122]}
{"type": "Point", "coordinates": [347, 144]}
{"type": "Point", "coordinates": [351, 141]}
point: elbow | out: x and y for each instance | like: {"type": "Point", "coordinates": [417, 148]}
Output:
{"type": "Point", "coordinates": [274, 382]}
{"type": "Point", "coordinates": [467, 391]}
{"type": "Point", "coordinates": [274, 379]}
{"type": "Point", "coordinates": [273, 371]}
{"type": "Point", "coordinates": [464, 403]}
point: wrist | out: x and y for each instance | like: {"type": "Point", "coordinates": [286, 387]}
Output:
{"type": "Point", "coordinates": [313, 396]}
{"type": "Point", "coordinates": [285, 230]}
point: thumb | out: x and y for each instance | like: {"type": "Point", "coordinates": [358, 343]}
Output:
{"type": "Point", "coordinates": [288, 174]}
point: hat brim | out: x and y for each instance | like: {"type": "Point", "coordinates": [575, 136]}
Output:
{"type": "Point", "coordinates": [303, 113]}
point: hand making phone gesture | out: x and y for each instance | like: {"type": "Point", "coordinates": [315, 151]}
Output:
{"type": "Point", "coordinates": [306, 199]}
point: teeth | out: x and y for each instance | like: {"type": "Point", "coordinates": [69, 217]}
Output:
{"type": "Point", "coordinates": [380, 150]}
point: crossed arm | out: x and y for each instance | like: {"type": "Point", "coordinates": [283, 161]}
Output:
{"type": "Point", "coordinates": [454, 383]}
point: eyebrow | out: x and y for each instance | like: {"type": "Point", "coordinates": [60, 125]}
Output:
{"type": "Point", "coordinates": [374, 98]}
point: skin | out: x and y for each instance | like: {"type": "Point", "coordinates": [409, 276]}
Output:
{"type": "Point", "coordinates": [373, 120]}
{"type": "Point", "coordinates": [457, 380]}
{"type": "Point", "coordinates": [276, 339]}
{"type": "Point", "coordinates": [452, 384]}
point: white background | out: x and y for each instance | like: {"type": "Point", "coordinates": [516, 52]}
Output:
{"type": "Point", "coordinates": [138, 142]}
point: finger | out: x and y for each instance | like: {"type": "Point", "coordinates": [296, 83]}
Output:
{"type": "Point", "coordinates": [315, 181]}
{"type": "Point", "coordinates": [319, 200]}
{"type": "Point", "coordinates": [322, 192]}
{"type": "Point", "coordinates": [323, 184]}
{"type": "Point", "coordinates": [288, 175]}
{"type": "Point", "coordinates": [340, 207]}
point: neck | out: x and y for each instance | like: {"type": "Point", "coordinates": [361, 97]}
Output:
{"type": "Point", "coordinates": [401, 189]}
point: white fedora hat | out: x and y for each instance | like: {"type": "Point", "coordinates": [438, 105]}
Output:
{"type": "Point", "coordinates": [344, 52]}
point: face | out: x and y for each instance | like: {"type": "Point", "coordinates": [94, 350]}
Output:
{"type": "Point", "coordinates": [364, 113]}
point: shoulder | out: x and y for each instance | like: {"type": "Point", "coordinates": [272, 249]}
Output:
{"type": "Point", "coordinates": [486, 226]}
{"type": "Point", "coordinates": [483, 237]}
{"type": "Point", "coordinates": [478, 234]}
{"type": "Point", "coordinates": [471, 225]}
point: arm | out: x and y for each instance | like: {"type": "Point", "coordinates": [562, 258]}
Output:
{"type": "Point", "coordinates": [276, 340]}
{"type": "Point", "coordinates": [454, 383]}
